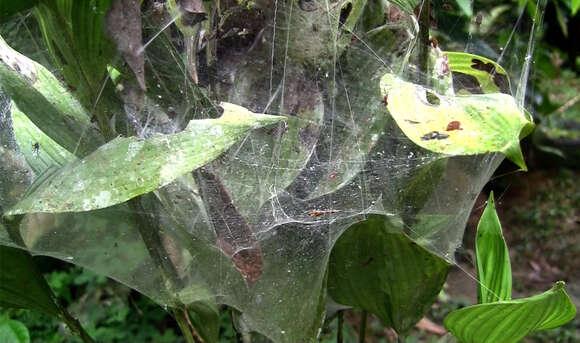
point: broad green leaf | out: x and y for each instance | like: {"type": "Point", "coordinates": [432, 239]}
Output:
{"type": "Point", "coordinates": [466, 7]}
{"type": "Point", "coordinates": [40, 151]}
{"type": "Point", "coordinates": [127, 167]}
{"type": "Point", "coordinates": [46, 102]}
{"type": "Point", "coordinates": [493, 260]}
{"type": "Point", "coordinates": [473, 74]}
{"type": "Point", "coordinates": [22, 285]}
{"type": "Point", "coordinates": [510, 321]}
{"type": "Point", "coordinates": [456, 125]}
{"type": "Point", "coordinates": [9, 8]}
{"type": "Point", "coordinates": [375, 268]}
{"type": "Point", "coordinates": [12, 331]}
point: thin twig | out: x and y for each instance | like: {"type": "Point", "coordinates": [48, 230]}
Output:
{"type": "Point", "coordinates": [424, 23]}
{"type": "Point", "coordinates": [340, 322]}
{"type": "Point", "coordinates": [363, 327]}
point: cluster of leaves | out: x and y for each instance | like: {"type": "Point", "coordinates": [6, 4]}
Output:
{"type": "Point", "coordinates": [374, 265]}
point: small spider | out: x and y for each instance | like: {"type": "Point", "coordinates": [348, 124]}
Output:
{"type": "Point", "coordinates": [478, 19]}
{"type": "Point", "coordinates": [36, 148]}
{"type": "Point", "coordinates": [332, 175]}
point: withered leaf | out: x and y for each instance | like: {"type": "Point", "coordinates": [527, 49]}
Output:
{"type": "Point", "coordinates": [123, 27]}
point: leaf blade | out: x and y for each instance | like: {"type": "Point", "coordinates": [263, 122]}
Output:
{"type": "Point", "coordinates": [22, 285]}
{"type": "Point", "coordinates": [46, 102]}
{"type": "Point", "coordinates": [493, 262]}
{"type": "Point", "coordinates": [382, 271]}
{"type": "Point", "coordinates": [456, 125]}
{"type": "Point", "coordinates": [510, 321]}
{"type": "Point", "coordinates": [127, 167]}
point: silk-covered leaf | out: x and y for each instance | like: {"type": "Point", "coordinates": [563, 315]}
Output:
{"type": "Point", "coordinates": [456, 125]}
{"type": "Point", "coordinates": [406, 5]}
{"type": "Point", "coordinates": [493, 261]}
{"type": "Point", "coordinates": [510, 321]}
{"type": "Point", "coordinates": [376, 268]}
{"type": "Point", "coordinates": [127, 167]}
{"type": "Point", "coordinates": [46, 102]}
{"type": "Point", "coordinates": [466, 7]}
{"type": "Point", "coordinates": [39, 150]}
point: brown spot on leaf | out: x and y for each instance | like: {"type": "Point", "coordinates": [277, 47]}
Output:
{"type": "Point", "coordinates": [500, 80]}
{"type": "Point", "coordinates": [453, 125]}
{"type": "Point", "coordinates": [467, 82]}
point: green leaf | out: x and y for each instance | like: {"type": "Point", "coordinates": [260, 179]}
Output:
{"type": "Point", "coordinates": [376, 268]}
{"type": "Point", "coordinates": [82, 50]}
{"type": "Point", "coordinates": [466, 7]}
{"type": "Point", "coordinates": [493, 260]}
{"type": "Point", "coordinates": [127, 167]}
{"type": "Point", "coordinates": [510, 321]}
{"type": "Point", "coordinates": [9, 8]}
{"type": "Point", "coordinates": [205, 317]}
{"type": "Point", "coordinates": [456, 125]}
{"type": "Point", "coordinates": [39, 150]}
{"type": "Point", "coordinates": [12, 331]}
{"type": "Point", "coordinates": [22, 285]}
{"type": "Point", "coordinates": [574, 6]}
{"type": "Point", "coordinates": [46, 102]}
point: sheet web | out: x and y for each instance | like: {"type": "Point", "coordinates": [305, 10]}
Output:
{"type": "Point", "coordinates": [254, 228]}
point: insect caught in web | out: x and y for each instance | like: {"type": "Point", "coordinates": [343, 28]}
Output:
{"type": "Point", "coordinates": [319, 213]}
{"type": "Point", "coordinates": [434, 135]}
{"type": "Point", "coordinates": [385, 100]}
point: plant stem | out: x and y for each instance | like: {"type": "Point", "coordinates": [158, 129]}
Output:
{"type": "Point", "coordinates": [185, 327]}
{"type": "Point", "coordinates": [149, 232]}
{"type": "Point", "coordinates": [340, 322]}
{"type": "Point", "coordinates": [363, 327]}
{"type": "Point", "coordinates": [73, 324]}
{"type": "Point", "coordinates": [424, 23]}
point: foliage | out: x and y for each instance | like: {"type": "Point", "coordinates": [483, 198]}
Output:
{"type": "Point", "coordinates": [497, 317]}
{"type": "Point", "coordinates": [256, 227]}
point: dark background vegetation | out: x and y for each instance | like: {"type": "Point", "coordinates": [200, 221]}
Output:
{"type": "Point", "coordinates": [539, 210]}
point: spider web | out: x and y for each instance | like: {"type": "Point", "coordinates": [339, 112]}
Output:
{"type": "Point", "coordinates": [254, 229]}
